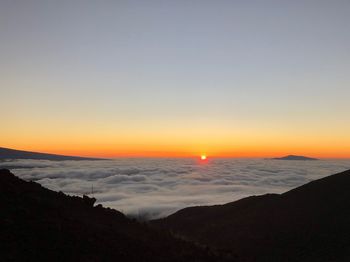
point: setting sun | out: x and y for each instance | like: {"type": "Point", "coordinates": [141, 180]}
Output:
{"type": "Point", "coordinates": [180, 129]}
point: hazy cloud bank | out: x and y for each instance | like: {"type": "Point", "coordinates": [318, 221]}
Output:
{"type": "Point", "coordinates": [158, 187]}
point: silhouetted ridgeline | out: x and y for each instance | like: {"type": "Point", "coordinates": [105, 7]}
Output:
{"type": "Point", "coordinates": [309, 223]}
{"type": "Point", "coordinates": [294, 157]}
{"type": "Point", "coordinates": [7, 153]}
{"type": "Point", "coordinates": [37, 224]}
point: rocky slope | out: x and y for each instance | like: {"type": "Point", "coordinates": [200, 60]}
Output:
{"type": "Point", "coordinates": [309, 223]}
{"type": "Point", "coordinates": [37, 224]}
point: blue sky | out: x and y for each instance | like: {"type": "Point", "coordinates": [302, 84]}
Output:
{"type": "Point", "coordinates": [240, 66]}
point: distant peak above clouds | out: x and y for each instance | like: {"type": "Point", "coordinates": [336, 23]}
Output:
{"type": "Point", "coordinates": [294, 157]}
{"type": "Point", "coordinates": [7, 153]}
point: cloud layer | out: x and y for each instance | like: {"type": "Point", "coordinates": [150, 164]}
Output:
{"type": "Point", "coordinates": [154, 188]}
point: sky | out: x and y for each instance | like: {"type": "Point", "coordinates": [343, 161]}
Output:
{"type": "Point", "coordinates": [176, 78]}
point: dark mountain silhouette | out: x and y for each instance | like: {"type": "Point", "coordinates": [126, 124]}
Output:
{"type": "Point", "coordinates": [37, 224]}
{"type": "Point", "coordinates": [7, 153]}
{"type": "Point", "coordinates": [293, 157]}
{"type": "Point", "coordinates": [309, 223]}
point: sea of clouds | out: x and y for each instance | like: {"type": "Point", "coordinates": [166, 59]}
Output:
{"type": "Point", "coordinates": [153, 188]}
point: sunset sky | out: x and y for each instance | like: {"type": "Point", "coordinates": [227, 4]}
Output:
{"type": "Point", "coordinates": [176, 78]}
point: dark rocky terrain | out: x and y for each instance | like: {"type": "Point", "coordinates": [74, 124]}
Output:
{"type": "Point", "coordinates": [294, 157]}
{"type": "Point", "coordinates": [37, 224]}
{"type": "Point", "coordinates": [308, 223]}
{"type": "Point", "coordinates": [7, 153]}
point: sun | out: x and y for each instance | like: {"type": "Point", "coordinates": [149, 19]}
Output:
{"type": "Point", "coordinates": [203, 157]}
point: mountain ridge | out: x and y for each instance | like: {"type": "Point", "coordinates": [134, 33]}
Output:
{"type": "Point", "coordinates": [11, 154]}
{"type": "Point", "coordinates": [38, 224]}
{"type": "Point", "coordinates": [294, 157]}
{"type": "Point", "coordinates": [308, 223]}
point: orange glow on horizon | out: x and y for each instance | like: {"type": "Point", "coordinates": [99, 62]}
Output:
{"type": "Point", "coordinates": [178, 145]}
{"type": "Point", "coordinates": [109, 152]}
{"type": "Point", "coordinates": [137, 94]}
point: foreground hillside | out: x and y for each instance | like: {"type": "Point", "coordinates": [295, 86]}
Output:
{"type": "Point", "coordinates": [309, 223]}
{"type": "Point", "coordinates": [37, 224]}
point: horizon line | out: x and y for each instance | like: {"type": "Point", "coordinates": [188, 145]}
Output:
{"type": "Point", "coordinates": [157, 154]}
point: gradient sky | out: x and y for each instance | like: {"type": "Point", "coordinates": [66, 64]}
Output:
{"type": "Point", "coordinates": [176, 78]}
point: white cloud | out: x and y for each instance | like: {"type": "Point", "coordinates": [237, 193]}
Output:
{"type": "Point", "coordinates": [157, 187]}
